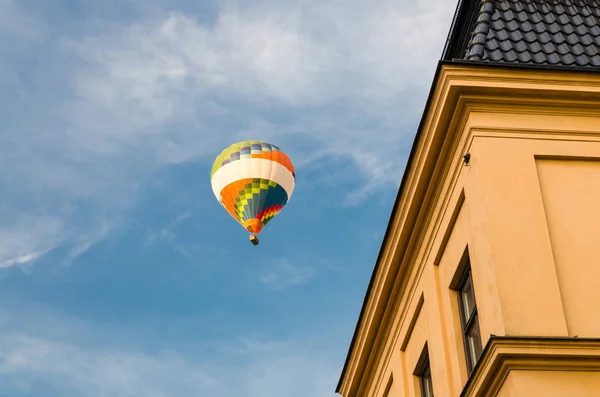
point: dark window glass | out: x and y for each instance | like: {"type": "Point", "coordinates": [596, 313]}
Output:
{"type": "Point", "coordinates": [469, 320]}
{"type": "Point", "coordinates": [425, 380]}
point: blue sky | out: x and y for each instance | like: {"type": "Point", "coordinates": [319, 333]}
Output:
{"type": "Point", "coordinates": [120, 274]}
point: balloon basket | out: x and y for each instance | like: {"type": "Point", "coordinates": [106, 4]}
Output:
{"type": "Point", "coordinates": [254, 239]}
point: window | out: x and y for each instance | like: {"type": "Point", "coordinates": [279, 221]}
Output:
{"type": "Point", "coordinates": [469, 319]}
{"type": "Point", "coordinates": [425, 380]}
{"type": "Point", "coordinates": [423, 372]}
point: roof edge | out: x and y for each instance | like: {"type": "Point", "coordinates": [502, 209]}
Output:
{"type": "Point", "coordinates": [452, 32]}
{"type": "Point", "coordinates": [462, 28]}
{"type": "Point", "coordinates": [387, 234]}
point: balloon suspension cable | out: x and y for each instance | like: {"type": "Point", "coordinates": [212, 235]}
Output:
{"type": "Point", "coordinates": [254, 239]}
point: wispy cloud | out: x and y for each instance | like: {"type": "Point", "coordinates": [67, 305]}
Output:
{"type": "Point", "coordinates": [28, 239]}
{"type": "Point", "coordinates": [305, 56]}
{"type": "Point", "coordinates": [15, 21]}
{"type": "Point", "coordinates": [25, 259]}
{"type": "Point", "coordinates": [96, 371]}
{"type": "Point", "coordinates": [342, 81]}
{"type": "Point", "coordinates": [84, 241]}
{"type": "Point", "coordinates": [282, 273]}
{"type": "Point", "coordinates": [168, 234]}
{"type": "Point", "coordinates": [33, 357]}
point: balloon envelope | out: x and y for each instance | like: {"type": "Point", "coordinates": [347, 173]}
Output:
{"type": "Point", "coordinates": [253, 180]}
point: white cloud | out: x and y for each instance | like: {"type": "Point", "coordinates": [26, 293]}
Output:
{"type": "Point", "coordinates": [28, 240]}
{"type": "Point", "coordinates": [282, 273]}
{"type": "Point", "coordinates": [374, 56]}
{"type": "Point", "coordinates": [25, 259]}
{"type": "Point", "coordinates": [168, 234]}
{"type": "Point", "coordinates": [13, 20]}
{"type": "Point", "coordinates": [51, 352]}
{"type": "Point", "coordinates": [107, 110]}
{"type": "Point", "coordinates": [97, 371]}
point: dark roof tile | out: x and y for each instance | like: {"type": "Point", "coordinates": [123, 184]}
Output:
{"type": "Point", "coordinates": [506, 45]}
{"type": "Point", "coordinates": [527, 27]}
{"type": "Point", "coordinates": [544, 38]}
{"type": "Point", "coordinates": [573, 39]}
{"type": "Point", "coordinates": [576, 20]}
{"type": "Point", "coordinates": [503, 6]}
{"type": "Point", "coordinates": [511, 24]}
{"type": "Point", "coordinates": [568, 29]}
{"type": "Point", "coordinates": [535, 17]}
{"type": "Point", "coordinates": [553, 27]}
{"type": "Point", "coordinates": [510, 56]}
{"type": "Point", "coordinates": [543, 32]}
{"type": "Point", "coordinates": [591, 21]}
{"type": "Point", "coordinates": [491, 44]}
{"type": "Point", "coordinates": [549, 48]}
{"type": "Point", "coordinates": [540, 27]}
{"type": "Point", "coordinates": [515, 36]}
{"type": "Point", "coordinates": [582, 60]}
{"type": "Point", "coordinates": [518, 7]}
{"type": "Point", "coordinates": [539, 58]}
{"type": "Point", "coordinates": [549, 18]}
{"type": "Point", "coordinates": [524, 57]}
{"type": "Point", "coordinates": [554, 59]}
{"type": "Point", "coordinates": [591, 50]}
{"type": "Point", "coordinates": [495, 55]}
{"type": "Point", "coordinates": [581, 30]}
{"type": "Point", "coordinates": [522, 16]}
{"type": "Point", "coordinates": [563, 49]}
{"type": "Point", "coordinates": [567, 59]}
{"type": "Point", "coordinates": [521, 47]}
{"type": "Point", "coordinates": [586, 39]}
{"type": "Point", "coordinates": [502, 35]}
{"type": "Point", "coordinates": [558, 38]}
{"type": "Point", "coordinates": [564, 19]}
{"type": "Point", "coordinates": [531, 37]}
{"type": "Point", "coordinates": [535, 47]}
{"type": "Point", "coordinates": [577, 49]}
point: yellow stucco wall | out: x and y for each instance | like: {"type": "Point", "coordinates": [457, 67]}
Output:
{"type": "Point", "coordinates": [555, 383]}
{"type": "Point", "coordinates": [544, 245]}
{"type": "Point", "coordinates": [571, 195]}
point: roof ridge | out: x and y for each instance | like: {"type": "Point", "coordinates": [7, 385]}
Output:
{"type": "Point", "coordinates": [452, 30]}
{"type": "Point", "coordinates": [476, 46]}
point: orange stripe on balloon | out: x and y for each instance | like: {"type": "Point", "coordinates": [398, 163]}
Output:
{"type": "Point", "coordinates": [228, 197]}
{"type": "Point", "coordinates": [253, 225]}
{"type": "Point", "coordinates": [285, 160]}
{"type": "Point", "coordinates": [230, 193]}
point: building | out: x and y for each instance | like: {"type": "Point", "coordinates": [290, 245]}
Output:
{"type": "Point", "coordinates": [488, 278]}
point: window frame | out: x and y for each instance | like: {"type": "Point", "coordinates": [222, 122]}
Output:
{"type": "Point", "coordinates": [472, 322]}
{"type": "Point", "coordinates": [423, 373]}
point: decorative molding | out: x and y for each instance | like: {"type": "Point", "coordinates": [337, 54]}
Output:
{"type": "Point", "coordinates": [504, 354]}
{"type": "Point", "coordinates": [388, 386]}
{"type": "Point", "coordinates": [413, 321]}
{"type": "Point", "coordinates": [449, 227]}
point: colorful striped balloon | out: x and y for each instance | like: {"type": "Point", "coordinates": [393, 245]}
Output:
{"type": "Point", "coordinates": [253, 180]}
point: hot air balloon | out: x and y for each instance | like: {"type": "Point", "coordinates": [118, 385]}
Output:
{"type": "Point", "coordinates": [253, 180]}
